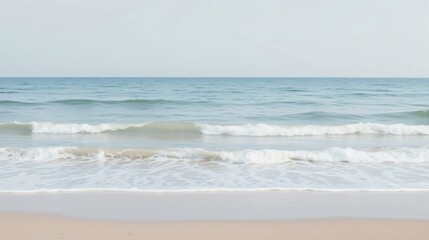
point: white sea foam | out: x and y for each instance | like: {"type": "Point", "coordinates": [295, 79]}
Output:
{"type": "Point", "coordinates": [256, 130]}
{"type": "Point", "coordinates": [67, 128]}
{"type": "Point", "coordinates": [260, 130]}
{"type": "Point", "coordinates": [188, 169]}
{"type": "Point", "coordinates": [335, 154]}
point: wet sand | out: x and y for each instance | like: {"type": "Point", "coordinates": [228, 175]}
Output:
{"type": "Point", "coordinates": [240, 205]}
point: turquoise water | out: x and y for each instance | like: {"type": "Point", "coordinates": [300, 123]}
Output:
{"type": "Point", "coordinates": [164, 134]}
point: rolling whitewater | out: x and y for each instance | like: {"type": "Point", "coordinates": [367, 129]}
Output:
{"type": "Point", "coordinates": [213, 134]}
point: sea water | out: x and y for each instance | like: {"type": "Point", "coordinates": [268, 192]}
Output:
{"type": "Point", "coordinates": [213, 134]}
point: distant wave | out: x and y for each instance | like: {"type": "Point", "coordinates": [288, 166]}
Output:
{"type": "Point", "coordinates": [254, 130]}
{"type": "Point", "coordinates": [8, 92]}
{"type": "Point", "coordinates": [130, 101]}
{"type": "Point", "coordinates": [423, 113]}
{"type": "Point", "coordinates": [93, 101]}
{"type": "Point", "coordinates": [10, 102]}
{"type": "Point", "coordinates": [323, 115]}
{"type": "Point", "coordinates": [265, 156]}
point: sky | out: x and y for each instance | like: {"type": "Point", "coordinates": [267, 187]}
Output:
{"type": "Point", "coordinates": [214, 38]}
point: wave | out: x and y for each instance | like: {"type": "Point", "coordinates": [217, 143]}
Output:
{"type": "Point", "coordinates": [130, 101]}
{"type": "Point", "coordinates": [10, 102]}
{"type": "Point", "coordinates": [260, 130]}
{"type": "Point", "coordinates": [335, 154]}
{"type": "Point", "coordinates": [254, 130]}
{"type": "Point", "coordinates": [422, 113]}
{"type": "Point", "coordinates": [93, 101]}
{"type": "Point", "coordinates": [323, 115]}
{"type": "Point", "coordinates": [73, 128]}
{"type": "Point", "coordinates": [8, 92]}
{"type": "Point", "coordinates": [264, 156]}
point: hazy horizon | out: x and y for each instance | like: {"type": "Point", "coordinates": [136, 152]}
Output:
{"type": "Point", "coordinates": [380, 39]}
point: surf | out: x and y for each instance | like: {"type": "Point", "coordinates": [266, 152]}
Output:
{"type": "Point", "coordinates": [245, 156]}
{"type": "Point", "coordinates": [251, 130]}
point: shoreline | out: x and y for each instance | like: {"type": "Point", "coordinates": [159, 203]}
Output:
{"type": "Point", "coordinates": [239, 206]}
{"type": "Point", "coordinates": [209, 190]}
{"type": "Point", "coordinates": [271, 215]}
{"type": "Point", "coordinates": [39, 226]}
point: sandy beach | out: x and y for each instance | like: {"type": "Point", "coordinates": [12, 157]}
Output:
{"type": "Point", "coordinates": [35, 226]}
{"type": "Point", "coordinates": [221, 215]}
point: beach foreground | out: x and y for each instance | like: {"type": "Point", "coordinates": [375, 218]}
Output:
{"type": "Point", "coordinates": [215, 215]}
{"type": "Point", "coordinates": [35, 226]}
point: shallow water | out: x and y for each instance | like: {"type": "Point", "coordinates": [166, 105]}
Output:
{"type": "Point", "coordinates": [167, 134]}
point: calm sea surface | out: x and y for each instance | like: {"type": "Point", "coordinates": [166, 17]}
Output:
{"type": "Point", "coordinates": [199, 134]}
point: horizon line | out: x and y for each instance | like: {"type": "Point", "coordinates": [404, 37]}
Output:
{"type": "Point", "coordinates": [301, 77]}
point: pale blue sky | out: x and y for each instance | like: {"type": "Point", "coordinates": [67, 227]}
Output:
{"type": "Point", "coordinates": [214, 38]}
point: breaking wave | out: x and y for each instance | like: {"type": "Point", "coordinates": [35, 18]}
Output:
{"type": "Point", "coordinates": [264, 156]}
{"type": "Point", "coordinates": [256, 130]}
{"type": "Point", "coordinates": [261, 130]}
{"type": "Point", "coordinates": [69, 128]}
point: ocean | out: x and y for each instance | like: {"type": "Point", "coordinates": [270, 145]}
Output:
{"type": "Point", "coordinates": [213, 134]}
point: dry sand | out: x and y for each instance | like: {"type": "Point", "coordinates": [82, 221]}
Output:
{"type": "Point", "coordinates": [221, 215]}
{"type": "Point", "coordinates": [37, 226]}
